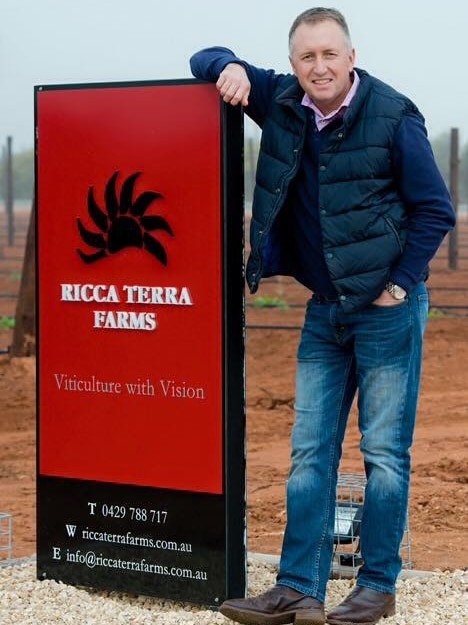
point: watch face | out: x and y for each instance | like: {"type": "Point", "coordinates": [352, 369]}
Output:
{"type": "Point", "coordinates": [396, 291]}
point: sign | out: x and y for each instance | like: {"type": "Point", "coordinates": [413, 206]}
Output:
{"type": "Point", "coordinates": [140, 331]}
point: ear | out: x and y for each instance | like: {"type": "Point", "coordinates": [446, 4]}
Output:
{"type": "Point", "coordinates": [352, 58]}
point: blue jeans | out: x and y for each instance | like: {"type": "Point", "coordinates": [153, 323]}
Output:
{"type": "Point", "coordinates": [377, 352]}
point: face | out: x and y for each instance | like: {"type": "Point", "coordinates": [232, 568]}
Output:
{"type": "Point", "coordinates": [322, 60]}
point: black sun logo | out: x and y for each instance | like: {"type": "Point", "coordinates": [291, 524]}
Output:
{"type": "Point", "coordinates": [123, 223]}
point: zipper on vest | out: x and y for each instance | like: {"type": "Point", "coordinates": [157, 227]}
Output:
{"type": "Point", "coordinates": [256, 276]}
{"type": "Point", "coordinates": [395, 232]}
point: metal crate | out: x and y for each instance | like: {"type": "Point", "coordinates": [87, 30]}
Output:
{"type": "Point", "coordinates": [6, 533]}
{"type": "Point", "coordinates": [347, 558]}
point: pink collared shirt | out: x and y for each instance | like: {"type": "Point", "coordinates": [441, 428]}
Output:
{"type": "Point", "coordinates": [323, 120]}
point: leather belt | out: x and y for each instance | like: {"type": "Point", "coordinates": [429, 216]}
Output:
{"type": "Point", "coordinates": [324, 299]}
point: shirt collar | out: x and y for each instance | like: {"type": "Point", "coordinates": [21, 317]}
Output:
{"type": "Point", "coordinates": [323, 120]}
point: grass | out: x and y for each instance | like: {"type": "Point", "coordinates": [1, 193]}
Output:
{"type": "Point", "coordinates": [7, 323]}
{"type": "Point", "coordinates": [270, 302]}
{"type": "Point", "coordinates": [436, 313]}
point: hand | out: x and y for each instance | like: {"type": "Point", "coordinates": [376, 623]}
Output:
{"type": "Point", "coordinates": [234, 85]}
{"type": "Point", "coordinates": [385, 299]}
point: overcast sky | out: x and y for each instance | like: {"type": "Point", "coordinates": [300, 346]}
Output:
{"type": "Point", "coordinates": [418, 46]}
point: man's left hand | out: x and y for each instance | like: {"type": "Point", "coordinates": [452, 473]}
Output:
{"type": "Point", "coordinates": [385, 299]}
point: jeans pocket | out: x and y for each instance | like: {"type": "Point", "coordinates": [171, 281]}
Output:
{"type": "Point", "coordinates": [423, 310]}
{"type": "Point", "coordinates": [423, 302]}
{"type": "Point", "coordinates": [397, 304]}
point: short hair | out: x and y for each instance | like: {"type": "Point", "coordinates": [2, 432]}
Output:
{"type": "Point", "coordinates": [317, 15]}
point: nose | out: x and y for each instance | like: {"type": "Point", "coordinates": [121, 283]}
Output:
{"type": "Point", "coordinates": [320, 67]}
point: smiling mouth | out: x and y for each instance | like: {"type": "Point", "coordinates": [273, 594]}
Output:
{"type": "Point", "coordinates": [322, 81]}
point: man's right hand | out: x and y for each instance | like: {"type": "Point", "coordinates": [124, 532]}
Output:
{"type": "Point", "coordinates": [234, 85]}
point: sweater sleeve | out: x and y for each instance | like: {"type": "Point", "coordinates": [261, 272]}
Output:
{"type": "Point", "coordinates": [207, 65]}
{"type": "Point", "coordinates": [210, 62]}
{"type": "Point", "coordinates": [422, 188]}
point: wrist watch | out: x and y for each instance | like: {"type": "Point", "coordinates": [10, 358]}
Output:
{"type": "Point", "coordinates": [397, 292]}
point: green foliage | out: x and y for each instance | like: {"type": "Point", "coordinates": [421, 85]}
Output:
{"type": "Point", "coordinates": [7, 323]}
{"type": "Point", "coordinates": [23, 167]}
{"type": "Point", "coordinates": [14, 276]}
{"type": "Point", "coordinates": [270, 302]}
{"type": "Point", "coordinates": [441, 148]}
{"type": "Point", "coordinates": [436, 313]}
{"type": "Point", "coordinates": [23, 175]}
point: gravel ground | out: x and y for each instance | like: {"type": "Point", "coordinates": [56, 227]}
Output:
{"type": "Point", "coordinates": [437, 599]}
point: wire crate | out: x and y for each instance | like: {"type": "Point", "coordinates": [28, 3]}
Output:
{"type": "Point", "coordinates": [6, 525]}
{"type": "Point", "coordinates": [347, 558]}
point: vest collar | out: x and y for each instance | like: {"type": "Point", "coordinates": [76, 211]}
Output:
{"type": "Point", "coordinates": [291, 96]}
{"type": "Point", "coordinates": [358, 100]}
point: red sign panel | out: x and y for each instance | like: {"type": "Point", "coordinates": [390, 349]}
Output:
{"type": "Point", "coordinates": [130, 286]}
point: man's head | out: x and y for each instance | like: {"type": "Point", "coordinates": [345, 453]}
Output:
{"type": "Point", "coordinates": [322, 56]}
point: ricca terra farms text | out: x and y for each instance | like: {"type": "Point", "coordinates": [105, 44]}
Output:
{"type": "Point", "coordinates": [128, 294]}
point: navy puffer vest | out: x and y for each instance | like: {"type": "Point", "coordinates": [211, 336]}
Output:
{"type": "Point", "coordinates": [363, 219]}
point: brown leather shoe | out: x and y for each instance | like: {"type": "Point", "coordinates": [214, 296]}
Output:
{"type": "Point", "coordinates": [276, 606]}
{"type": "Point", "coordinates": [363, 606]}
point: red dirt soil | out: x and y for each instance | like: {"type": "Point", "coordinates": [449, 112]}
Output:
{"type": "Point", "coordinates": [439, 474]}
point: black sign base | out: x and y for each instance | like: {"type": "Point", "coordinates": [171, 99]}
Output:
{"type": "Point", "coordinates": [149, 541]}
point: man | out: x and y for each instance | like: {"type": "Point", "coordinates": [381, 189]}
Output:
{"type": "Point", "coordinates": [350, 202]}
